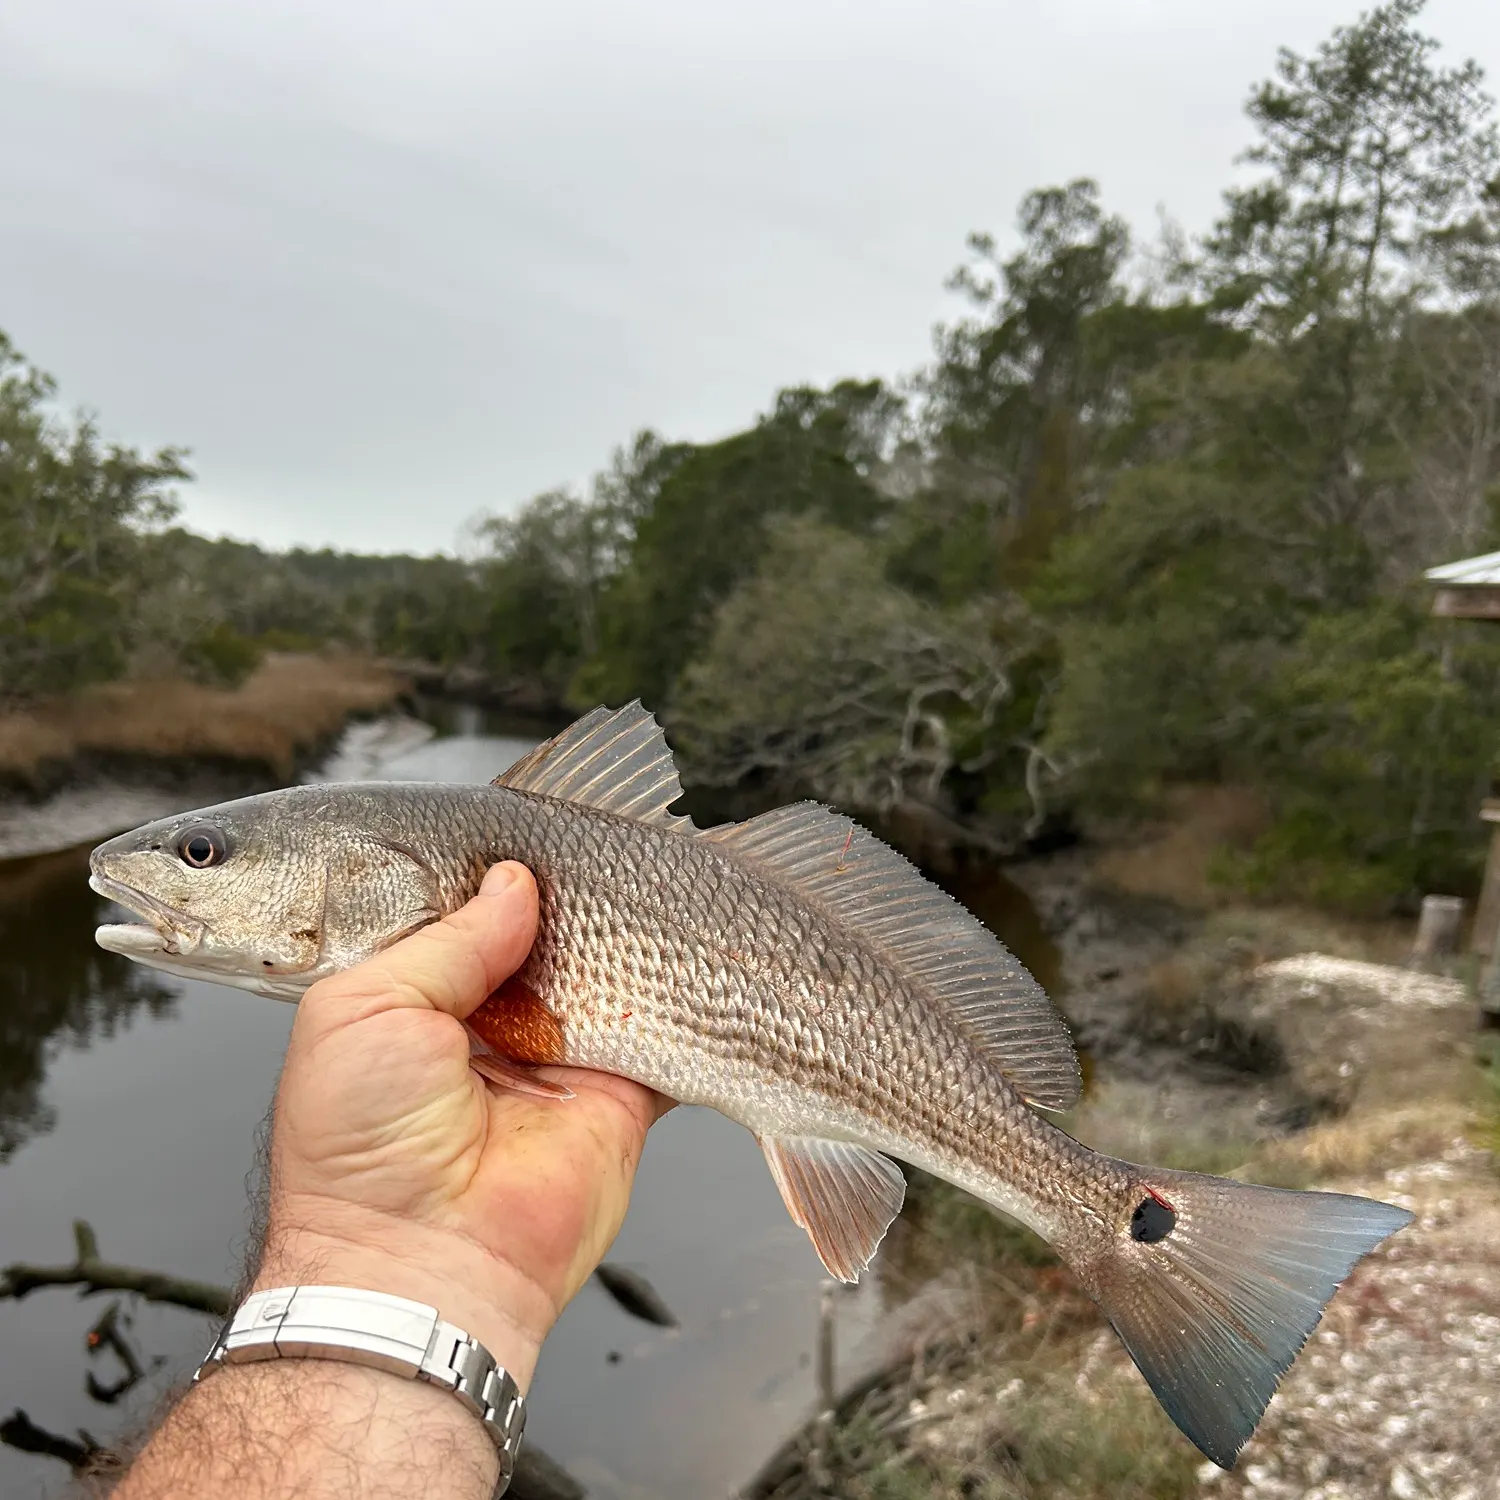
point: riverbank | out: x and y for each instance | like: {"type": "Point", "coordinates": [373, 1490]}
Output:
{"type": "Point", "coordinates": [78, 768]}
{"type": "Point", "coordinates": [1276, 1046]}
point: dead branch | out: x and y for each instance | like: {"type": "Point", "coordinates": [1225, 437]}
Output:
{"type": "Point", "coordinates": [18, 1431]}
{"type": "Point", "coordinates": [92, 1274]}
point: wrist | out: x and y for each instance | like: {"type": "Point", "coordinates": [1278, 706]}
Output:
{"type": "Point", "coordinates": [484, 1295]}
{"type": "Point", "coordinates": [320, 1429]}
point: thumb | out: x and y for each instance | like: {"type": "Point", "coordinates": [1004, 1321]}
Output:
{"type": "Point", "coordinates": [453, 965]}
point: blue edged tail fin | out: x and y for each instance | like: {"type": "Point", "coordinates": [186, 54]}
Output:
{"type": "Point", "coordinates": [1215, 1285]}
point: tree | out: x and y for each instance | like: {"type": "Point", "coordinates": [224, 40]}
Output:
{"type": "Point", "coordinates": [1273, 493]}
{"type": "Point", "coordinates": [1374, 155]}
{"type": "Point", "coordinates": [1007, 398]}
{"type": "Point", "coordinates": [704, 528]}
{"type": "Point", "coordinates": [821, 678]}
{"type": "Point", "coordinates": [548, 566]}
{"type": "Point", "coordinates": [1372, 150]}
{"type": "Point", "coordinates": [72, 514]}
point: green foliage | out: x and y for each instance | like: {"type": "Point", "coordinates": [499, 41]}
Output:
{"type": "Point", "coordinates": [424, 608]}
{"type": "Point", "coordinates": [1005, 399]}
{"type": "Point", "coordinates": [1383, 745]}
{"type": "Point", "coordinates": [71, 510]}
{"type": "Point", "coordinates": [1237, 607]}
{"type": "Point", "coordinates": [220, 656]}
{"type": "Point", "coordinates": [822, 678]}
{"type": "Point", "coordinates": [550, 564]}
{"type": "Point", "coordinates": [705, 528]}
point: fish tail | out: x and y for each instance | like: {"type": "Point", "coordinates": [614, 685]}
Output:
{"type": "Point", "coordinates": [1215, 1285]}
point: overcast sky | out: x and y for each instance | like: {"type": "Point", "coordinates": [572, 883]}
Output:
{"type": "Point", "coordinates": [382, 266]}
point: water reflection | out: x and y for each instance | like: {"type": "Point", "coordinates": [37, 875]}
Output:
{"type": "Point", "coordinates": [57, 987]}
{"type": "Point", "coordinates": [154, 1133]}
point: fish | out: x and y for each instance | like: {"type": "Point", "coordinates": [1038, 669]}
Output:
{"type": "Point", "coordinates": [792, 972]}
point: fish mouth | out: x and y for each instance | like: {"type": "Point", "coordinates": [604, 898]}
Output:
{"type": "Point", "coordinates": [163, 931]}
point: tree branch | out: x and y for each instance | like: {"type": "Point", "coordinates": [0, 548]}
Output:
{"type": "Point", "coordinates": [95, 1275]}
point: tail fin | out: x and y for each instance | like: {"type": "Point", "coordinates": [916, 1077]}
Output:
{"type": "Point", "coordinates": [1216, 1286]}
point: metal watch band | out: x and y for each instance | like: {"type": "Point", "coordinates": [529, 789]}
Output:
{"type": "Point", "coordinates": [389, 1333]}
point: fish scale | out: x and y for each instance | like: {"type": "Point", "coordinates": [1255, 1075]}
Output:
{"type": "Point", "coordinates": [829, 1030]}
{"type": "Point", "coordinates": [794, 974]}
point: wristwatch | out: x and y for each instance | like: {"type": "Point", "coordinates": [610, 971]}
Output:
{"type": "Point", "coordinates": [389, 1333]}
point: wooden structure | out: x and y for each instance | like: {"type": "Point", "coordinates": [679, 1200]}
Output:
{"type": "Point", "coordinates": [1470, 590]}
{"type": "Point", "coordinates": [1438, 929]}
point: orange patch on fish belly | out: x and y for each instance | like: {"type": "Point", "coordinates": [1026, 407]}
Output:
{"type": "Point", "coordinates": [517, 1024]}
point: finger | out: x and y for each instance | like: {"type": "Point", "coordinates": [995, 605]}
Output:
{"type": "Point", "coordinates": [453, 965]}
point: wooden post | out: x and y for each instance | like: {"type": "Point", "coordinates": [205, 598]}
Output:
{"type": "Point", "coordinates": [1437, 929]}
{"type": "Point", "coordinates": [827, 1311]}
{"type": "Point", "coordinates": [1470, 590]}
{"type": "Point", "coordinates": [1487, 914]}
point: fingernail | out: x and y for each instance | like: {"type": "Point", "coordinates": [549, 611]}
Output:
{"type": "Point", "coordinates": [502, 877]}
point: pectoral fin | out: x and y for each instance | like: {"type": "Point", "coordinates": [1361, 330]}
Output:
{"type": "Point", "coordinates": [843, 1195]}
{"type": "Point", "coordinates": [516, 1077]}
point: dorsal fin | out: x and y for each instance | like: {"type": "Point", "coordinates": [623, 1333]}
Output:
{"type": "Point", "coordinates": [615, 759]}
{"type": "Point", "coordinates": [1001, 1008]}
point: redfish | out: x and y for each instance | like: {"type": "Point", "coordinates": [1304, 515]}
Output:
{"type": "Point", "coordinates": [790, 971]}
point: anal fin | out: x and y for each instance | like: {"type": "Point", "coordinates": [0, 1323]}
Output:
{"type": "Point", "coordinates": [843, 1195]}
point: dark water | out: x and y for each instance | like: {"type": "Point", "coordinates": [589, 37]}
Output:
{"type": "Point", "coordinates": [133, 1100]}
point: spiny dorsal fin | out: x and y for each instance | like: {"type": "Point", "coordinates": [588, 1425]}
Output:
{"type": "Point", "coordinates": [614, 759]}
{"type": "Point", "coordinates": [843, 1195]}
{"type": "Point", "coordinates": [999, 1006]}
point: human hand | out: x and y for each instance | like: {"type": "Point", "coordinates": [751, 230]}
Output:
{"type": "Point", "coordinates": [395, 1167]}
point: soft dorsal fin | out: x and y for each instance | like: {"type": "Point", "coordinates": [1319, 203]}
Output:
{"type": "Point", "coordinates": [999, 1006]}
{"type": "Point", "coordinates": [843, 1195]}
{"type": "Point", "coordinates": [615, 759]}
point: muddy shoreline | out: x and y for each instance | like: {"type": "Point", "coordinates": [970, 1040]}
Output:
{"type": "Point", "coordinates": [1280, 1046]}
{"type": "Point", "coordinates": [94, 795]}
{"type": "Point", "coordinates": [77, 799]}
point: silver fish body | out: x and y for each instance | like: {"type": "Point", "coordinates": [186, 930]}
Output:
{"type": "Point", "coordinates": [667, 960]}
{"type": "Point", "coordinates": [790, 972]}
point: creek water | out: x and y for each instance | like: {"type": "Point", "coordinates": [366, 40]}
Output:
{"type": "Point", "coordinates": [135, 1101]}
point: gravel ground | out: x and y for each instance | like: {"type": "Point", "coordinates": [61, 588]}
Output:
{"type": "Point", "coordinates": [1398, 1392]}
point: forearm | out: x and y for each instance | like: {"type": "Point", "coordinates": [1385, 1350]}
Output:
{"type": "Point", "coordinates": [317, 1429]}
{"type": "Point", "coordinates": [331, 1430]}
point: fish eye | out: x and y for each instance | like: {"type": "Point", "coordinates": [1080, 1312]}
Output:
{"type": "Point", "coordinates": [201, 846]}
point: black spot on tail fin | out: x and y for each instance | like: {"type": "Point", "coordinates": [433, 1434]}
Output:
{"type": "Point", "coordinates": [1215, 1285]}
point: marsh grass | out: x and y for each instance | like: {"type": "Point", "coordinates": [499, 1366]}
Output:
{"type": "Point", "coordinates": [1486, 1122]}
{"type": "Point", "coordinates": [1177, 860]}
{"type": "Point", "coordinates": [940, 1224]}
{"type": "Point", "coordinates": [1102, 1437]}
{"type": "Point", "coordinates": [1007, 1417]}
{"type": "Point", "coordinates": [289, 705]}
{"type": "Point", "coordinates": [1051, 1442]}
{"type": "Point", "coordinates": [1362, 1143]}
